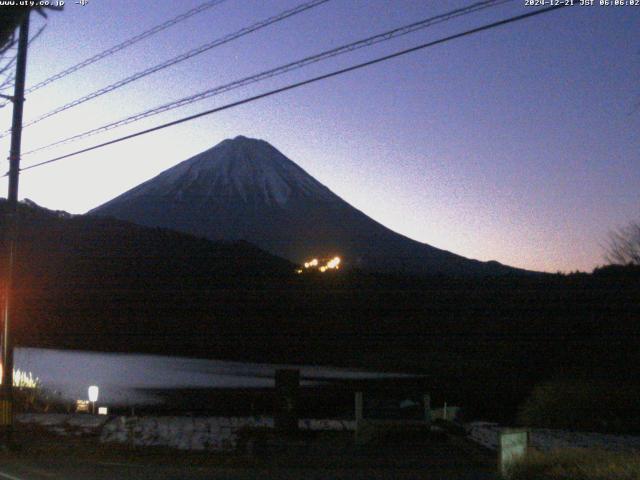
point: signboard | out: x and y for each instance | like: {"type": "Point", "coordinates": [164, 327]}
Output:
{"type": "Point", "coordinates": [82, 406]}
{"type": "Point", "coordinates": [513, 447]}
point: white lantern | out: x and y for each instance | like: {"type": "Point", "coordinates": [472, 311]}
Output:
{"type": "Point", "coordinates": [93, 393]}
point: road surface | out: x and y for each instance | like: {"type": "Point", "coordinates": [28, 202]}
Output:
{"type": "Point", "coordinates": [44, 456]}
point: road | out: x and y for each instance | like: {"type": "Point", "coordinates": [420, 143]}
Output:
{"type": "Point", "coordinates": [43, 456]}
{"type": "Point", "coordinates": [111, 471]}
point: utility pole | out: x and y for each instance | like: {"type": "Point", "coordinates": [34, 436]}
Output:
{"type": "Point", "coordinates": [6, 392]}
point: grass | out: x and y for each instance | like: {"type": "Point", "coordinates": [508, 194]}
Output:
{"type": "Point", "coordinates": [578, 464]}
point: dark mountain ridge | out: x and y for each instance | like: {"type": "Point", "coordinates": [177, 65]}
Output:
{"type": "Point", "coordinates": [246, 189]}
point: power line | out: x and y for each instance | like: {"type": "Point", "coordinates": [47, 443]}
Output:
{"type": "Point", "coordinates": [9, 64]}
{"type": "Point", "coordinates": [7, 68]}
{"type": "Point", "coordinates": [6, 83]}
{"type": "Point", "coordinates": [38, 33]}
{"type": "Point", "coordinates": [180, 58]}
{"type": "Point", "coordinates": [302, 83]}
{"type": "Point", "coordinates": [382, 37]}
{"type": "Point", "coordinates": [121, 46]}
{"type": "Point", "coordinates": [127, 43]}
{"type": "Point", "coordinates": [8, 45]}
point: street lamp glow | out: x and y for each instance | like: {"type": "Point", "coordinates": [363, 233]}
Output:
{"type": "Point", "coordinates": [93, 393]}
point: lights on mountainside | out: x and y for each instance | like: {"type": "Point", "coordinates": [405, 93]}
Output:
{"type": "Point", "coordinates": [320, 265]}
{"type": "Point", "coordinates": [311, 263]}
{"type": "Point", "coordinates": [334, 263]}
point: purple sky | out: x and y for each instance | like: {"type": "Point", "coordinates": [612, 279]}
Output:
{"type": "Point", "coordinates": [519, 144]}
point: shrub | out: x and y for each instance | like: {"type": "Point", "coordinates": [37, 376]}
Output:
{"type": "Point", "coordinates": [577, 464]}
{"type": "Point", "coordinates": [581, 404]}
{"type": "Point", "coordinates": [30, 396]}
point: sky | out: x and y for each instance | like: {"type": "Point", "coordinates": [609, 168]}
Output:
{"type": "Point", "coordinates": [519, 144]}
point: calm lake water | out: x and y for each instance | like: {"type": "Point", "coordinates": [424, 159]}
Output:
{"type": "Point", "coordinates": [122, 378]}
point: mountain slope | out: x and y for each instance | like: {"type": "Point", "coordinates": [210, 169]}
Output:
{"type": "Point", "coordinates": [245, 189]}
{"type": "Point", "coordinates": [105, 284]}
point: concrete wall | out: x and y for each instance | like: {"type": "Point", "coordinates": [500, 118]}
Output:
{"type": "Point", "coordinates": [185, 433]}
{"type": "Point", "coordinates": [197, 433]}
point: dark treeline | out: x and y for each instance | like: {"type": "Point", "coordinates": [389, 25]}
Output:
{"type": "Point", "coordinates": [102, 284]}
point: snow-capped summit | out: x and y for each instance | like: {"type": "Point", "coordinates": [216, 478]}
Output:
{"type": "Point", "coordinates": [245, 189]}
{"type": "Point", "coordinates": [240, 168]}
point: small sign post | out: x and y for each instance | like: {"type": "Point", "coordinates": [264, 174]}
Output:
{"type": "Point", "coordinates": [426, 400]}
{"type": "Point", "coordinates": [513, 447]}
{"type": "Point", "coordinates": [359, 410]}
{"type": "Point", "coordinates": [287, 399]}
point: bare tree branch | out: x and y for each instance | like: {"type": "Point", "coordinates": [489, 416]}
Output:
{"type": "Point", "coordinates": [623, 247]}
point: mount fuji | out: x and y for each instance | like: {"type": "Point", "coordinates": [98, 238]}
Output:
{"type": "Point", "coordinates": [245, 189]}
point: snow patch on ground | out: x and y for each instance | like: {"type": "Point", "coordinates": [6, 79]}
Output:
{"type": "Point", "coordinates": [183, 433]}
{"type": "Point", "coordinates": [486, 434]}
{"type": "Point", "coordinates": [199, 433]}
{"type": "Point", "coordinates": [222, 433]}
{"type": "Point", "coordinates": [65, 424]}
